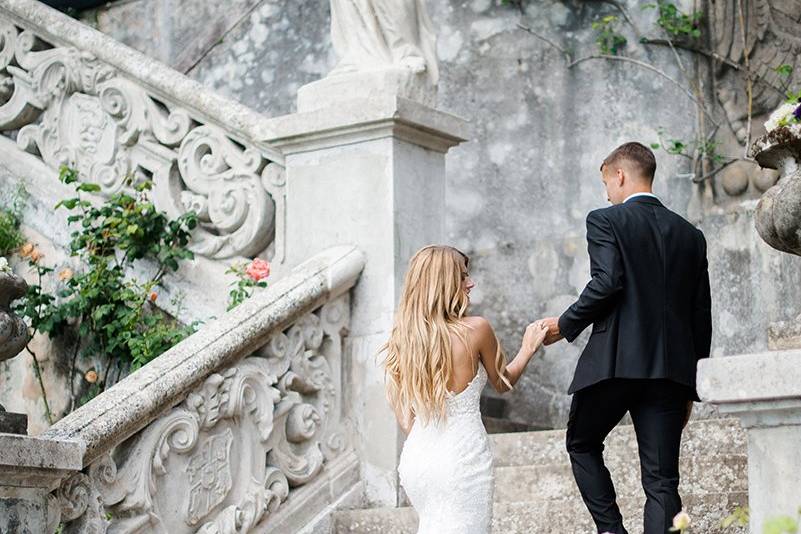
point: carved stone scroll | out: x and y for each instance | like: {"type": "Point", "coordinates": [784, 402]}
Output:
{"type": "Point", "coordinates": [68, 108]}
{"type": "Point", "coordinates": [225, 459]}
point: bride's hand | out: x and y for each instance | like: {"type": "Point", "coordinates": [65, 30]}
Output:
{"type": "Point", "coordinates": [534, 336]}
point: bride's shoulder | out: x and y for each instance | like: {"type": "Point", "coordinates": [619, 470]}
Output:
{"type": "Point", "coordinates": [479, 326]}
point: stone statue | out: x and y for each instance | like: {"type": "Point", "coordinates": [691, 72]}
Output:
{"type": "Point", "coordinates": [13, 337]}
{"type": "Point", "coordinates": [381, 34]}
{"type": "Point", "coordinates": [384, 47]}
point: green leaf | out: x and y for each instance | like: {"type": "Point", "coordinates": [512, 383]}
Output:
{"type": "Point", "coordinates": [68, 203]}
{"type": "Point", "coordinates": [67, 175]}
{"type": "Point", "coordinates": [784, 70]}
{"type": "Point", "coordinates": [655, 145]}
{"type": "Point", "coordinates": [88, 188]}
{"type": "Point", "coordinates": [780, 525]}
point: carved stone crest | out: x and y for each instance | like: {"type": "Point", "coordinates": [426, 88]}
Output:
{"type": "Point", "coordinates": [227, 457]}
{"type": "Point", "coordinates": [209, 474]}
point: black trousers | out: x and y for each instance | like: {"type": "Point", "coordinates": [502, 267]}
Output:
{"type": "Point", "coordinates": [658, 409]}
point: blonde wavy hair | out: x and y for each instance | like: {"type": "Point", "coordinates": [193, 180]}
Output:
{"type": "Point", "coordinates": [419, 362]}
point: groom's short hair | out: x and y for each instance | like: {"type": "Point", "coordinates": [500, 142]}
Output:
{"type": "Point", "coordinates": [636, 154]}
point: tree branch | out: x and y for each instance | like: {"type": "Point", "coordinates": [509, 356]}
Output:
{"type": "Point", "coordinates": [712, 55]}
{"type": "Point", "coordinates": [748, 84]}
{"type": "Point", "coordinates": [38, 370]}
{"type": "Point", "coordinates": [565, 53]}
{"type": "Point", "coordinates": [648, 66]}
{"type": "Point", "coordinates": [699, 179]}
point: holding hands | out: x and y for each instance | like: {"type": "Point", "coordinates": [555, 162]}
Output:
{"type": "Point", "coordinates": [533, 337]}
{"type": "Point", "coordinates": [552, 325]}
{"type": "Point", "coordinates": [542, 332]}
{"type": "Point", "coordinates": [537, 334]}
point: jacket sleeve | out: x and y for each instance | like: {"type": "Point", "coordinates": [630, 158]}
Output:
{"type": "Point", "coordinates": [606, 269]}
{"type": "Point", "coordinates": [702, 310]}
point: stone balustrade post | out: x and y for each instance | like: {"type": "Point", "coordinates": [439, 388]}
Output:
{"type": "Point", "coordinates": [371, 172]}
{"type": "Point", "coordinates": [30, 469]}
{"type": "Point", "coordinates": [764, 390]}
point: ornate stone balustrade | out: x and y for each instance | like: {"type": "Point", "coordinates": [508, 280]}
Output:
{"type": "Point", "coordinates": [73, 96]}
{"type": "Point", "coordinates": [219, 431]}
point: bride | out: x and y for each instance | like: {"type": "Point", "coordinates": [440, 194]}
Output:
{"type": "Point", "coordinates": [437, 362]}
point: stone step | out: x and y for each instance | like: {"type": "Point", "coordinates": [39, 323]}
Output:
{"type": "Point", "coordinates": [724, 473]}
{"type": "Point", "coordinates": [495, 425]}
{"type": "Point", "coordinates": [706, 438]}
{"type": "Point", "coordinates": [564, 516]}
{"type": "Point", "coordinates": [534, 486]}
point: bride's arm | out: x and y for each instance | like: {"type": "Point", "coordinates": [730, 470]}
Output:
{"type": "Point", "coordinates": [488, 347]}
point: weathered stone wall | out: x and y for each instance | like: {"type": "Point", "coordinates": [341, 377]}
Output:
{"type": "Point", "coordinates": [518, 193]}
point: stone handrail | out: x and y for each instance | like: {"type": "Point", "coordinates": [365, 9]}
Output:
{"type": "Point", "coordinates": [138, 399]}
{"type": "Point", "coordinates": [74, 96]}
{"type": "Point", "coordinates": [196, 425]}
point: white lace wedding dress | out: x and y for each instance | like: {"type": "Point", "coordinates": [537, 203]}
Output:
{"type": "Point", "coordinates": [446, 467]}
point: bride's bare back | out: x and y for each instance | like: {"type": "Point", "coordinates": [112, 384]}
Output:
{"type": "Point", "coordinates": [483, 345]}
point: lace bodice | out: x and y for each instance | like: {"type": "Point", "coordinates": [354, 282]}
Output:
{"type": "Point", "coordinates": [468, 400]}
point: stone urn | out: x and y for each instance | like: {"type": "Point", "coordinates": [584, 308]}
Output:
{"type": "Point", "coordinates": [13, 338]}
{"type": "Point", "coordinates": [778, 213]}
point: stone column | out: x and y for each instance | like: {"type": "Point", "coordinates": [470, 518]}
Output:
{"type": "Point", "coordinates": [370, 172]}
{"type": "Point", "coordinates": [764, 392]}
{"type": "Point", "coordinates": [30, 469]}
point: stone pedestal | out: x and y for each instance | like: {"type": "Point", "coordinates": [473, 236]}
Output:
{"type": "Point", "coordinates": [369, 172]}
{"type": "Point", "coordinates": [30, 469]}
{"type": "Point", "coordinates": [764, 392]}
{"type": "Point", "coordinates": [376, 83]}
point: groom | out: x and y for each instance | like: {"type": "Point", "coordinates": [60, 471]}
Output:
{"type": "Point", "coordinates": [649, 306]}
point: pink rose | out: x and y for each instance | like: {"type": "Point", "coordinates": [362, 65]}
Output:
{"type": "Point", "coordinates": [258, 269]}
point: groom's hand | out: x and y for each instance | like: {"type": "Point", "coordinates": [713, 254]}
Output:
{"type": "Point", "coordinates": [553, 335]}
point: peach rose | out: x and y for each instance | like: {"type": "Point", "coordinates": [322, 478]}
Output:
{"type": "Point", "coordinates": [258, 270]}
{"type": "Point", "coordinates": [91, 376]}
{"type": "Point", "coordinates": [26, 250]}
{"type": "Point", "coordinates": [65, 275]}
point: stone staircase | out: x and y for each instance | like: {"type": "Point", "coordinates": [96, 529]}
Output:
{"type": "Point", "coordinates": [535, 491]}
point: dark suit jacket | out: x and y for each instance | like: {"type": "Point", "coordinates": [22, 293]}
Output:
{"type": "Point", "coordinates": [648, 300]}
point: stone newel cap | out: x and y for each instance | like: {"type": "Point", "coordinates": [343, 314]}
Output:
{"type": "Point", "coordinates": [774, 375]}
{"type": "Point", "coordinates": [364, 119]}
{"type": "Point", "coordinates": [32, 452]}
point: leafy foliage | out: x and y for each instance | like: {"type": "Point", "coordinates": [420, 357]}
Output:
{"type": "Point", "coordinates": [739, 517]}
{"type": "Point", "coordinates": [675, 22]}
{"type": "Point", "coordinates": [781, 525]}
{"type": "Point", "coordinates": [609, 40]}
{"type": "Point", "coordinates": [112, 314]}
{"type": "Point", "coordinates": [10, 236]}
{"type": "Point", "coordinates": [784, 70]}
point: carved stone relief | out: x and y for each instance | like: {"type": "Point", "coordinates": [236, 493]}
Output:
{"type": "Point", "coordinates": [773, 38]}
{"type": "Point", "coordinates": [71, 109]}
{"type": "Point", "coordinates": [227, 457]}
